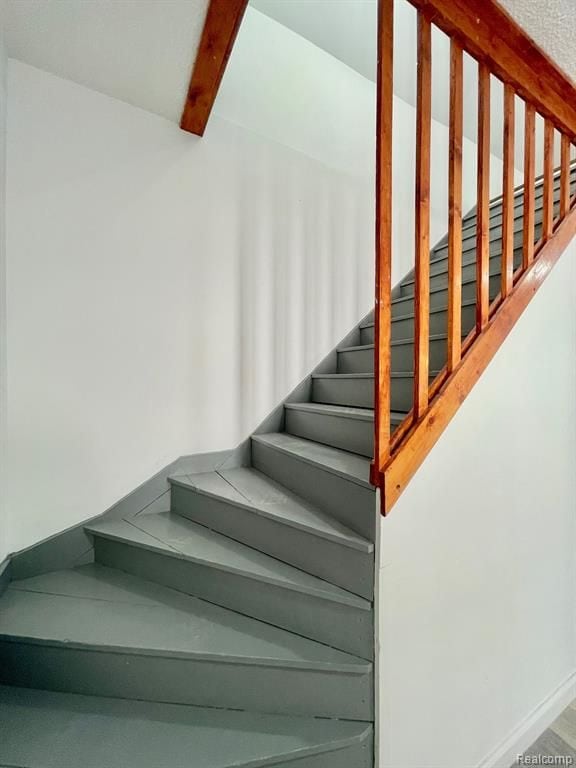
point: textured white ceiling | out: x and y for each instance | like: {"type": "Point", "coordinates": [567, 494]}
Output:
{"type": "Point", "coordinates": [139, 51]}
{"type": "Point", "coordinates": [347, 28]}
{"type": "Point", "coordinates": [551, 23]}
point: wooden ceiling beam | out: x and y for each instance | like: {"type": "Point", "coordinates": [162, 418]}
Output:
{"type": "Point", "coordinates": [222, 23]}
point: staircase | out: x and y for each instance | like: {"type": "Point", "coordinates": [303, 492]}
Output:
{"type": "Point", "coordinates": [238, 628]}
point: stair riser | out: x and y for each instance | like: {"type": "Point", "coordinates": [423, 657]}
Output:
{"type": "Point", "coordinates": [360, 392]}
{"type": "Point", "coordinates": [403, 328]}
{"type": "Point", "coordinates": [469, 233]}
{"type": "Point", "coordinates": [357, 361]}
{"type": "Point", "coordinates": [206, 683]}
{"type": "Point", "coordinates": [367, 335]}
{"type": "Point", "coordinates": [439, 278]}
{"type": "Point", "coordinates": [347, 568]}
{"type": "Point", "coordinates": [341, 626]}
{"type": "Point", "coordinates": [354, 435]}
{"type": "Point", "coordinates": [362, 360]}
{"type": "Point", "coordinates": [469, 241]}
{"type": "Point", "coordinates": [351, 503]}
{"type": "Point", "coordinates": [439, 298]}
{"type": "Point", "coordinates": [469, 222]}
{"type": "Point", "coordinates": [357, 393]}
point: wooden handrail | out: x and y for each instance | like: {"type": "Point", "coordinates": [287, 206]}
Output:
{"type": "Point", "coordinates": [490, 34]}
{"type": "Point", "coordinates": [502, 50]}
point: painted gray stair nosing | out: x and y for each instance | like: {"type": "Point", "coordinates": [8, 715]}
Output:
{"type": "Point", "coordinates": [328, 462]}
{"type": "Point", "coordinates": [355, 435]}
{"type": "Point", "coordinates": [401, 326]}
{"type": "Point", "coordinates": [439, 272]}
{"type": "Point", "coordinates": [410, 316]}
{"type": "Point", "coordinates": [438, 295]}
{"type": "Point", "coordinates": [101, 632]}
{"type": "Point", "coordinates": [408, 342]}
{"type": "Point", "coordinates": [357, 389]}
{"type": "Point", "coordinates": [7, 639]}
{"type": "Point", "coordinates": [98, 607]}
{"type": "Point", "coordinates": [348, 567]}
{"type": "Point", "coordinates": [208, 683]}
{"type": "Point", "coordinates": [351, 429]}
{"type": "Point", "coordinates": [469, 226]}
{"type": "Point", "coordinates": [149, 734]}
{"type": "Point", "coordinates": [349, 499]}
{"type": "Point", "coordinates": [496, 205]}
{"type": "Point", "coordinates": [469, 240]}
{"type": "Point", "coordinates": [225, 572]}
{"type": "Point", "coordinates": [361, 359]}
{"type": "Point", "coordinates": [313, 587]}
{"type": "Point", "coordinates": [360, 414]}
{"type": "Point", "coordinates": [344, 627]}
{"type": "Point", "coordinates": [353, 542]}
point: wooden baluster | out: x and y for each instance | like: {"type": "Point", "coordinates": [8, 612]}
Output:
{"type": "Point", "coordinates": [529, 181]}
{"type": "Point", "coordinates": [383, 309]}
{"type": "Point", "coordinates": [455, 209]}
{"type": "Point", "coordinates": [483, 210]}
{"type": "Point", "coordinates": [508, 194]}
{"type": "Point", "coordinates": [564, 176]}
{"type": "Point", "coordinates": [548, 182]}
{"type": "Point", "coordinates": [572, 196]}
{"type": "Point", "coordinates": [422, 222]}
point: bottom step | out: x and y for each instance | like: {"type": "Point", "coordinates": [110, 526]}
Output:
{"type": "Point", "coordinates": [41, 729]}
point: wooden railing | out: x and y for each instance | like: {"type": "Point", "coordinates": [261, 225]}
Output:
{"type": "Point", "coordinates": [503, 51]}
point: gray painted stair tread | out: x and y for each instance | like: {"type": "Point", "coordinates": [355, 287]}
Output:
{"type": "Point", "coordinates": [433, 310]}
{"type": "Point", "coordinates": [396, 343]}
{"type": "Point", "coordinates": [342, 375]}
{"type": "Point", "coordinates": [441, 289]}
{"type": "Point", "coordinates": [345, 411]}
{"type": "Point", "coordinates": [176, 536]}
{"type": "Point", "coordinates": [251, 489]}
{"type": "Point", "coordinates": [359, 347]}
{"type": "Point", "coordinates": [349, 465]}
{"type": "Point", "coordinates": [41, 729]}
{"type": "Point", "coordinates": [410, 374]}
{"type": "Point", "coordinates": [73, 613]}
{"type": "Point", "coordinates": [393, 374]}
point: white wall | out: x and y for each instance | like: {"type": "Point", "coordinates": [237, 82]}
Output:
{"type": "Point", "coordinates": [164, 292]}
{"type": "Point", "coordinates": [478, 559]}
{"type": "Point", "coordinates": [3, 97]}
{"type": "Point", "coordinates": [281, 86]}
